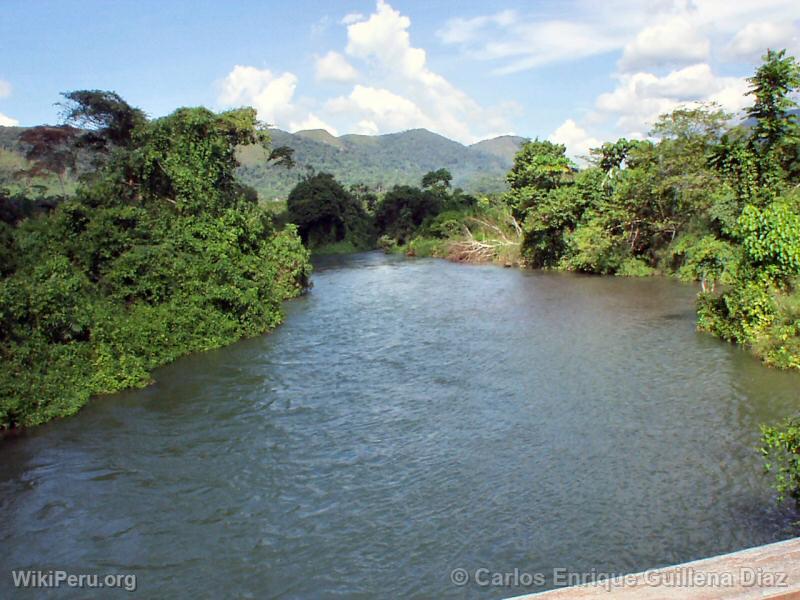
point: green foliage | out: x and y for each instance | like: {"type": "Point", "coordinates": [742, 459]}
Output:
{"type": "Point", "coordinates": [548, 224]}
{"type": "Point", "coordinates": [635, 267]}
{"type": "Point", "coordinates": [590, 248]}
{"type": "Point", "coordinates": [706, 259]}
{"type": "Point", "coordinates": [771, 238]}
{"type": "Point", "coordinates": [772, 87]}
{"type": "Point", "coordinates": [439, 179]}
{"type": "Point", "coordinates": [159, 254]}
{"type": "Point", "coordinates": [404, 209]}
{"type": "Point", "coordinates": [780, 447]}
{"type": "Point", "coordinates": [325, 213]}
{"type": "Point", "coordinates": [539, 167]}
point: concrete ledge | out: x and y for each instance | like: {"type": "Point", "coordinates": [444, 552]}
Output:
{"type": "Point", "coordinates": [771, 571]}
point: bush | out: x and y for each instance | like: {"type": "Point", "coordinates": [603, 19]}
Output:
{"type": "Point", "coordinates": [635, 267]}
{"type": "Point", "coordinates": [780, 447]}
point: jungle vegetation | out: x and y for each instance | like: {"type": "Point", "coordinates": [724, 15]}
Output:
{"type": "Point", "coordinates": [158, 252]}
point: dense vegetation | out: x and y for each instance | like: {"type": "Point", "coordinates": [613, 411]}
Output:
{"type": "Point", "coordinates": [329, 216]}
{"type": "Point", "coordinates": [159, 252]}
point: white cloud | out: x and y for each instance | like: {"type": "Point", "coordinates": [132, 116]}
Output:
{"type": "Point", "coordinates": [320, 26]}
{"type": "Point", "coordinates": [732, 94]}
{"type": "Point", "coordinates": [522, 43]}
{"type": "Point", "coordinates": [334, 67]}
{"type": "Point", "coordinates": [367, 127]}
{"type": "Point", "coordinates": [753, 40]}
{"type": "Point", "coordinates": [690, 83]}
{"type": "Point", "coordinates": [312, 121]}
{"type": "Point", "coordinates": [271, 95]}
{"type": "Point", "coordinates": [384, 36]}
{"type": "Point", "coordinates": [649, 33]}
{"type": "Point", "coordinates": [640, 98]}
{"type": "Point", "coordinates": [393, 88]}
{"type": "Point", "coordinates": [674, 41]}
{"type": "Point", "coordinates": [380, 106]}
{"type": "Point", "coordinates": [5, 88]}
{"type": "Point", "coordinates": [667, 52]}
{"type": "Point", "coordinates": [575, 138]}
{"type": "Point", "coordinates": [415, 95]}
{"type": "Point", "coordinates": [7, 121]}
{"type": "Point", "coordinates": [459, 31]}
{"type": "Point", "coordinates": [351, 18]}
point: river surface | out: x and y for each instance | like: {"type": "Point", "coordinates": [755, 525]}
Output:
{"type": "Point", "coordinates": [412, 417]}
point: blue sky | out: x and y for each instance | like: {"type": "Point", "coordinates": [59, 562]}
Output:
{"type": "Point", "coordinates": [576, 71]}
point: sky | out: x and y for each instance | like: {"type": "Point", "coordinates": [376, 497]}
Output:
{"type": "Point", "coordinates": [578, 72]}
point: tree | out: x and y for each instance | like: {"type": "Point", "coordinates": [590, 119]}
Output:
{"type": "Point", "coordinates": [610, 156]}
{"type": "Point", "coordinates": [404, 209]}
{"type": "Point", "coordinates": [325, 212]}
{"type": "Point", "coordinates": [539, 166]}
{"type": "Point", "coordinates": [775, 138]}
{"type": "Point", "coordinates": [50, 150]}
{"type": "Point", "coordinates": [189, 158]}
{"type": "Point", "coordinates": [106, 119]}
{"type": "Point", "coordinates": [365, 196]}
{"type": "Point", "coordinates": [771, 86]}
{"type": "Point", "coordinates": [282, 156]}
{"type": "Point", "coordinates": [437, 180]}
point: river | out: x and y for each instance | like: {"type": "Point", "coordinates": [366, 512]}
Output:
{"type": "Point", "coordinates": [411, 417]}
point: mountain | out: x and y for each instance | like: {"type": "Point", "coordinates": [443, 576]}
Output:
{"type": "Point", "coordinates": [504, 146]}
{"type": "Point", "coordinates": [379, 161]}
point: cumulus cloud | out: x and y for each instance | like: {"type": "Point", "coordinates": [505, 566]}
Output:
{"type": "Point", "coordinates": [753, 39]}
{"type": "Point", "coordinates": [393, 88]}
{"type": "Point", "coordinates": [668, 52]}
{"type": "Point", "coordinates": [376, 105]}
{"type": "Point", "coordinates": [270, 94]}
{"type": "Point", "coordinates": [334, 67]}
{"type": "Point", "coordinates": [575, 138]}
{"type": "Point", "coordinates": [5, 89]}
{"type": "Point", "coordinates": [415, 96]}
{"type": "Point", "coordinates": [312, 121]}
{"type": "Point", "coordinates": [673, 41]}
{"type": "Point", "coordinates": [367, 127]}
{"type": "Point", "coordinates": [640, 98]}
{"type": "Point", "coordinates": [7, 121]}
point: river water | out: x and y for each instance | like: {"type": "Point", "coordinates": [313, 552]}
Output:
{"type": "Point", "coordinates": [409, 418]}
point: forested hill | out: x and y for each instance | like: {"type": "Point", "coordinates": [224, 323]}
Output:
{"type": "Point", "coordinates": [381, 161]}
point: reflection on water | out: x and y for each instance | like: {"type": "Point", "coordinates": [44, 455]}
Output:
{"type": "Point", "coordinates": [409, 418]}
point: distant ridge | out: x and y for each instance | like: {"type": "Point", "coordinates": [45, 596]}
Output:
{"type": "Point", "coordinates": [379, 161]}
{"type": "Point", "coordinates": [504, 146]}
{"type": "Point", "coordinates": [320, 135]}
{"type": "Point", "coordinates": [382, 161]}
